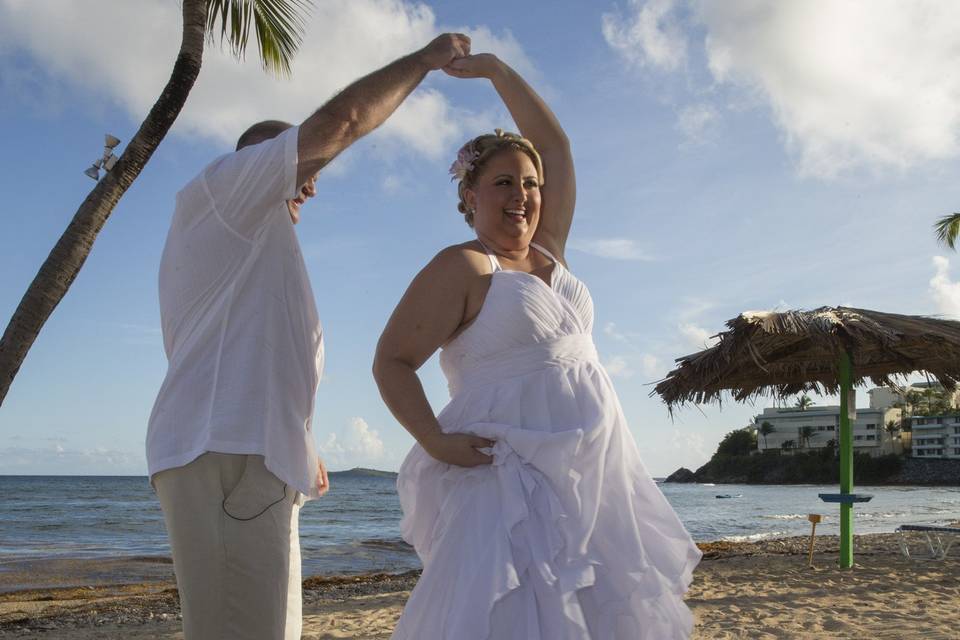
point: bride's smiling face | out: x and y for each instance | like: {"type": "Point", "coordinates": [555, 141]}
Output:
{"type": "Point", "coordinates": [505, 199]}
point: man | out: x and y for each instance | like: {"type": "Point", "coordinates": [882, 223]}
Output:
{"type": "Point", "coordinates": [229, 445]}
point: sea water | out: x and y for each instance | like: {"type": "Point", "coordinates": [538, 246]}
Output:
{"type": "Point", "coordinates": [355, 528]}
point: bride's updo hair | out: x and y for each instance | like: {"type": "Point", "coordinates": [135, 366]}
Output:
{"type": "Point", "coordinates": [474, 155]}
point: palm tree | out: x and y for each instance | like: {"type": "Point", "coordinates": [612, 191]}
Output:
{"type": "Point", "coordinates": [892, 427]}
{"type": "Point", "coordinates": [803, 402]}
{"type": "Point", "coordinates": [948, 228]}
{"type": "Point", "coordinates": [806, 433]}
{"type": "Point", "coordinates": [279, 26]}
{"type": "Point", "coordinates": [766, 429]}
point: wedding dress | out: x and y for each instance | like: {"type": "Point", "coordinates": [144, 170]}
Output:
{"type": "Point", "coordinates": [565, 536]}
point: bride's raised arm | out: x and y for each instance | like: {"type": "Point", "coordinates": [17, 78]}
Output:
{"type": "Point", "coordinates": [538, 124]}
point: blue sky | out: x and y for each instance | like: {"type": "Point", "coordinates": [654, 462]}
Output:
{"type": "Point", "coordinates": [731, 155]}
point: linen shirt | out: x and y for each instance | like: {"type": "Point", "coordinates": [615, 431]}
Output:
{"type": "Point", "coordinates": [240, 325]}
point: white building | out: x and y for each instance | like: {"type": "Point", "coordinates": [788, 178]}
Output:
{"type": "Point", "coordinates": [869, 434]}
{"type": "Point", "coordinates": [883, 397]}
{"type": "Point", "coordinates": [935, 436]}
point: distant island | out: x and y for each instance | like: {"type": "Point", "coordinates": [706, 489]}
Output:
{"type": "Point", "coordinates": [361, 472]}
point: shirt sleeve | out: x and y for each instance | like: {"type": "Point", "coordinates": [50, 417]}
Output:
{"type": "Point", "coordinates": [251, 185]}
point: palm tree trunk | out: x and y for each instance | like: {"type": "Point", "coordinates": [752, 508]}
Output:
{"type": "Point", "coordinates": [66, 259]}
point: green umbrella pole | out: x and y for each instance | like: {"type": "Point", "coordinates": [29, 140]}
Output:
{"type": "Point", "coordinates": [846, 462]}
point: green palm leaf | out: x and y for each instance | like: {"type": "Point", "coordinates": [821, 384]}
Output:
{"type": "Point", "coordinates": [948, 228]}
{"type": "Point", "coordinates": [279, 26]}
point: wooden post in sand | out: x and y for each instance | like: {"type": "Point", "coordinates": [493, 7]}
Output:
{"type": "Point", "coordinates": [814, 518]}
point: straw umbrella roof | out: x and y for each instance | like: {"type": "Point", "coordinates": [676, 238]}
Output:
{"type": "Point", "coordinates": [784, 353]}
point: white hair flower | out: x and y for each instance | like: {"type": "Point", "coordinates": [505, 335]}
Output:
{"type": "Point", "coordinates": [464, 162]}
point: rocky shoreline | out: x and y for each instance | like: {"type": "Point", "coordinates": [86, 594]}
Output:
{"type": "Point", "coordinates": [745, 470]}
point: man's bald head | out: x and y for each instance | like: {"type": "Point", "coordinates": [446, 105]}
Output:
{"type": "Point", "coordinates": [262, 131]}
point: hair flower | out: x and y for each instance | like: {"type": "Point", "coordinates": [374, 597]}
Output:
{"type": "Point", "coordinates": [464, 162]}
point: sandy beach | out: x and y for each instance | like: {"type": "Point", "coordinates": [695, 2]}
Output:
{"type": "Point", "coordinates": [740, 590]}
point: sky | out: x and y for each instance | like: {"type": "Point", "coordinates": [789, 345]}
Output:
{"type": "Point", "coordinates": [731, 155]}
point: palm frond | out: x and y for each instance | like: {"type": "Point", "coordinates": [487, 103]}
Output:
{"type": "Point", "coordinates": [948, 229]}
{"type": "Point", "coordinates": [279, 26]}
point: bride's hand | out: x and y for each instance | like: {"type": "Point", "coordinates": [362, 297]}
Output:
{"type": "Point", "coordinates": [460, 449]}
{"type": "Point", "coordinates": [480, 65]}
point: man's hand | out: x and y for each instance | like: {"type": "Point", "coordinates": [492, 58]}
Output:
{"type": "Point", "coordinates": [458, 448]}
{"type": "Point", "coordinates": [445, 48]}
{"type": "Point", "coordinates": [482, 65]}
{"type": "Point", "coordinates": [323, 482]}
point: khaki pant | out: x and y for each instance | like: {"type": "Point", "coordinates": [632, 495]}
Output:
{"type": "Point", "coordinates": [233, 527]}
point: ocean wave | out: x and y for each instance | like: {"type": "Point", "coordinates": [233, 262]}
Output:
{"type": "Point", "coordinates": [787, 516]}
{"type": "Point", "coordinates": [755, 537]}
{"type": "Point", "coordinates": [389, 544]}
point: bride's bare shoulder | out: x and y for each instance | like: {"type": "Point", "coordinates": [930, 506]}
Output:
{"type": "Point", "coordinates": [465, 259]}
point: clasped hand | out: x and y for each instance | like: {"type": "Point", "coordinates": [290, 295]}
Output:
{"type": "Point", "coordinates": [445, 48]}
{"type": "Point", "coordinates": [451, 52]}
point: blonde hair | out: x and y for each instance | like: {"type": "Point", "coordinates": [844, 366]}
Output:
{"type": "Point", "coordinates": [474, 155]}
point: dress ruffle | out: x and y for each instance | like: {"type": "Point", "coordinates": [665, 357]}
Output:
{"type": "Point", "coordinates": [565, 535]}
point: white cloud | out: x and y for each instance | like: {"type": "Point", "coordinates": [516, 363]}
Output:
{"type": "Point", "coordinates": [692, 444]}
{"type": "Point", "coordinates": [851, 84]}
{"type": "Point", "coordinates": [618, 367]}
{"type": "Point", "coordinates": [361, 446]}
{"type": "Point", "coordinates": [106, 48]}
{"type": "Point", "coordinates": [696, 336]}
{"type": "Point", "coordinates": [611, 330]}
{"type": "Point", "coordinates": [612, 248]}
{"type": "Point", "coordinates": [59, 456]}
{"type": "Point", "coordinates": [695, 121]}
{"type": "Point", "coordinates": [368, 440]}
{"type": "Point", "coordinates": [693, 307]}
{"type": "Point", "coordinates": [648, 35]}
{"type": "Point", "coordinates": [392, 184]}
{"type": "Point", "coordinates": [944, 291]}
{"type": "Point", "coordinates": [651, 366]}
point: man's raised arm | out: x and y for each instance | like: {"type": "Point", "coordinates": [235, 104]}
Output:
{"type": "Point", "coordinates": [365, 104]}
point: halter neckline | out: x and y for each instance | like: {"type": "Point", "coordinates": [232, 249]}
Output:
{"type": "Point", "coordinates": [495, 263]}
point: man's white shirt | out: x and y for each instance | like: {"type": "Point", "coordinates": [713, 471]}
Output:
{"type": "Point", "coordinates": [240, 324]}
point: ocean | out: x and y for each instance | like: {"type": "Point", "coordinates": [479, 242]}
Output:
{"type": "Point", "coordinates": [355, 528]}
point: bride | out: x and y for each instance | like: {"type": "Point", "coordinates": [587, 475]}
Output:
{"type": "Point", "coordinates": [525, 498]}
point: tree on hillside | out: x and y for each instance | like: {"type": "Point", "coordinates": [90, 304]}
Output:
{"type": "Point", "coordinates": [279, 28]}
{"type": "Point", "coordinates": [766, 429]}
{"type": "Point", "coordinates": [803, 402]}
{"type": "Point", "coordinates": [741, 442]}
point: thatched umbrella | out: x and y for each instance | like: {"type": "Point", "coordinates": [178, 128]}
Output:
{"type": "Point", "coordinates": [827, 350]}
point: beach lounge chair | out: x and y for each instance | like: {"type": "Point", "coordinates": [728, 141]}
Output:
{"type": "Point", "coordinates": [939, 539]}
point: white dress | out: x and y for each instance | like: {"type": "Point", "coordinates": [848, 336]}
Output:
{"type": "Point", "coordinates": [565, 536]}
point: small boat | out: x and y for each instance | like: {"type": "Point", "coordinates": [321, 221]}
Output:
{"type": "Point", "coordinates": [729, 495]}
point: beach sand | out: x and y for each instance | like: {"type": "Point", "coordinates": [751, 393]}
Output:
{"type": "Point", "coordinates": [740, 590]}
